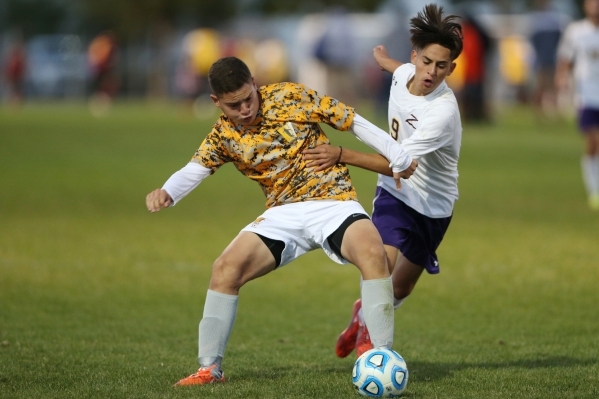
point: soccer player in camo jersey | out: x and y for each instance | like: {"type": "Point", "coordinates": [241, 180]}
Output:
{"type": "Point", "coordinates": [424, 117]}
{"type": "Point", "coordinates": [263, 132]}
{"type": "Point", "coordinates": [578, 53]}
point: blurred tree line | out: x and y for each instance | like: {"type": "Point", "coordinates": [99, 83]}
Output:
{"type": "Point", "coordinates": [145, 30]}
{"type": "Point", "coordinates": [132, 19]}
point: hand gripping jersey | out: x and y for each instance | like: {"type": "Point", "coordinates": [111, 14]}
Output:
{"type": "Point", "coordinates": [270, 150]}
{"type": "Point", "coordinates": [580, 44]}
{"type": "Point", "coordinates": [429, 129]}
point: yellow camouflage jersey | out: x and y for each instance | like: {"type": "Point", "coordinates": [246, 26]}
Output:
{"type": "Point", "coordinates": [270, 150]}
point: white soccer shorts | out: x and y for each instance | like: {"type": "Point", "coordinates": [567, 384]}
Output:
{"type": "Point", "coordinates": [304, 226]}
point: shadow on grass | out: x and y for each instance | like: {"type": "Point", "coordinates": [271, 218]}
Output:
{"type": "Point", "coordinates": [431, 371]}
{"type": "Point", "coordinates": [301, 372]}
{"type": "Point", "coordinates": [419, 371]}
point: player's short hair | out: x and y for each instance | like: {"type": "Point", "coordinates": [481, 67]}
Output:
{"type": "Point", "coordinates": [227, 75]}
{"type": "Point", "coordinates": [429, 27]}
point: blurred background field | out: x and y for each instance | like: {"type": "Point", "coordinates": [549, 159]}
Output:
{"type": "Point", "coordinates": [84, 50]}
{"type": "Point", "coordinates": [99, 298]}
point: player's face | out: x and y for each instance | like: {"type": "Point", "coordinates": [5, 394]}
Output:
{"type": "Point", "coordinates": [433, 65]}
{"type": "Point", "coordinates": [591, 8]}
{"type": "Point", "coordinates": [240, 106]}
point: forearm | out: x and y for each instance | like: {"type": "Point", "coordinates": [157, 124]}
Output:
{"type": "Point", "coordinates": [386, 63]}
{"type": "Point", "coordinates": [389, 64]}
{"type": "Point", "coordinates": [372, 162]}
{"type": "Point", "coordinates": [380, 141]}
{"type": "Point", "coordinates": [183, 181]}
{"type": "Point", "coordinates": [562, 74]}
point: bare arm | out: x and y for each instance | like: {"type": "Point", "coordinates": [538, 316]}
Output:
{"type": "Point", "coordinates": [372, 162]}
{"type": "Point", "coordinates": [562, 74]}
{"type": "Point", "coordinates": [386, 63]}
{"type": "Point", "coordinates": [324, 156]}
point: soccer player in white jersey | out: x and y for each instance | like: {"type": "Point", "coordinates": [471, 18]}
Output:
{"type": "Point", "coordinates": [263, 132]}
{"type": "Point", "coordinates": [423, 117]}
{"type": "Point", "coordinates": [578, 53]}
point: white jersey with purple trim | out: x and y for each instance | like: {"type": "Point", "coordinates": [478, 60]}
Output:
{"type": "Point", "coordinates": [580, 44]}
{"type": "Point", "coordinates": [430, 130]}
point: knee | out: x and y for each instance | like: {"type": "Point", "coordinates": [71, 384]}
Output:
{"type": "Point", "coordinates": [226, 275]}
{"type": "Point", "coordinates": [592, 144]}
{"type": "Point", "coordinates": [377, 261]}
{"type": "Point", "coordinates": [402, 290]}
{"type": "Point", "coordinates": [379, 254]}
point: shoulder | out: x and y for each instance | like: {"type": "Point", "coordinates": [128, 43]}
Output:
{"type": "Point", "coordinates": [402, 74]}
{"type": "Point", "coordinates": [282, 89]}
{"type": "Point", "coordinates": [404, 70]}
{"type": "Point", "coordinates": [578, 27]}
{"type": "Point", "coordinates": [447, 97]}
{"type": "Point", "coordinates": [442, 97]}
{"type": "Point", "coordinates": [445, 105]}
{"type": "Point", "coordinates": [286, 94]}
{"type": "Point", "coordinates": [408, 66]}
{"type": "Point", "coordinates": [282, 101]}
{"type": "Point", "coordinates": [222, 127]}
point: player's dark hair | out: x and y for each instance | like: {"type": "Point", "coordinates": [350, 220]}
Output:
{"type": "Point", "coordinates": [429, 27]}
{"type": "Point", "coordinates": [227, 75]}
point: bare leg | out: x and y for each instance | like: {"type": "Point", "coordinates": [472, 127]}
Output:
{"type": "Point", "coordinates": [405, 276]}
{"type": "Point", "coordinates": [590, 166]}
{"type": "Point", "coordinates": [245, 259]}
{"type": "Point", "coordinates": [362, 245]}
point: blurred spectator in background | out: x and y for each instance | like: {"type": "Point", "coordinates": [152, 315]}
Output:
{"type": "Point", "coordinates": [514, 53]}
{"type": "Point", "coordinates": [546, 30]}
{"type": "Point", "coordinates": [14, 72]}
{"type": "Point", "coordinates": [578, 55]}
{"type": "Point", "coordinates": [271, 62]}
{"type": "Point", "coordinates": [245, 48]}
{"type": "Point", "coordinates": [187, 83]}
{"type": "Point", "coordinates": [335, 50]}
{"type": "Point", "coordinates": [102, 59]}
{"type": "Point", "coordinates": [201, 48]}
{"type": "Point", "coordinates": [398, 45]}
{"type": "Point", "coordinates": [474, 58]}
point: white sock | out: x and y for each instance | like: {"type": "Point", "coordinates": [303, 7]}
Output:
{"type": "Point", "coordinates": [377, 310]}
{"type": "Point", "coordinates": [397, 302]}
{"type": "Point", "coordinates": [215, 327]}
{"type": "Point", "coordinates": [590, 173]}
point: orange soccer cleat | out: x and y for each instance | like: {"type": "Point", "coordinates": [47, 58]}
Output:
{"type": "Point", "coordinates": [347, 340]}
{"type": "Point", "coordinates": [205, 375]}
{"type": "Point", "coordinates": [363, 343]}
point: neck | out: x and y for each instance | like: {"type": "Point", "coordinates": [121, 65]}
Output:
{"type": "Point", "coordinates": [411, 88]}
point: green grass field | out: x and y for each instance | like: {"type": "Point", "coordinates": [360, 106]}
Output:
{"type": "Point", "coordinates": [101, 299]}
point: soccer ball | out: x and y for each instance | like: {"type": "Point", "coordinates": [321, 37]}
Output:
{"type": "Point", "coordinates": [380, 373]}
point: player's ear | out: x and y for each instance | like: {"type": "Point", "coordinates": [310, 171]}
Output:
{"type": "Point", "coordinates": [413, 56]}
{"type": "Point", "coordinates": [451, 68]}
{"type": "Point", "coordinates": [215, 100]}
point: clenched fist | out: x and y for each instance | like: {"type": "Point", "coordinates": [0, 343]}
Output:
{"type": "Point", "coordinates": [157, 200]}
